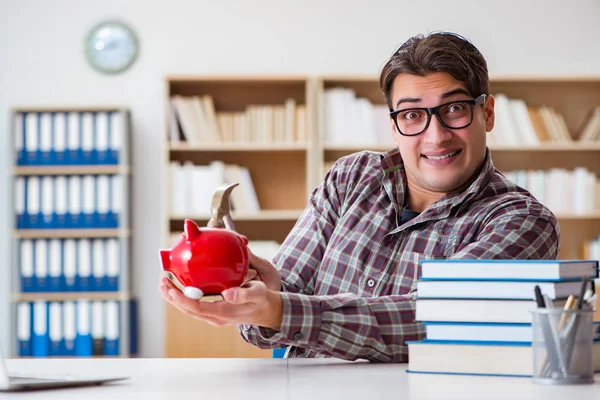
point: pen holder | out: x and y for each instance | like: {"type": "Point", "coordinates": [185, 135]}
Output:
{"type": "Point", "coordinates": [562, 346]}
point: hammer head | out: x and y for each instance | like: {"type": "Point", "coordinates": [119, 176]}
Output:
{"type": "Point", "coordinates": [219, 208]}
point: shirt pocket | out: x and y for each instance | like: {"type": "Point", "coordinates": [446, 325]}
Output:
{"type": "Point", "coordinates": [407, 271]}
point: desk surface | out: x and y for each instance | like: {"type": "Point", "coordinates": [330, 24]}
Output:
{"type": "Point", "coordinates": [279, 379]}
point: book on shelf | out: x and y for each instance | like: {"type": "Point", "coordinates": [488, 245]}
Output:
{"type": "Point", "coordinates": [196, 121]}
{"type": "Point", "coordinates": [561, 190]}
{"type": "Point", "coordinates": [193, 186]}
{"type": "Point", "coordinates": [509, 269]}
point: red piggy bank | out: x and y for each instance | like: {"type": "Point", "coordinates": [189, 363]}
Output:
{"type": "Point", "coordinates": [206, 261]}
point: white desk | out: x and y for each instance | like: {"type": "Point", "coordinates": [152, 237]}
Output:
{"type": "Point", "coordinates": [280, 379]}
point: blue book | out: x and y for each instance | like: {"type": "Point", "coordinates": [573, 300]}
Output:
{"type": "Point", "coordinates": [512, 270]}
{"type": "Point", "coordinates": [24, 329]}
{"type": "Point", "coordinates": [41, 340]}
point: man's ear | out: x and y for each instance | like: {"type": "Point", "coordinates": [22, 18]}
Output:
{"type": "Point", "coordinates": [395, 134]}
{"type": "Point", "coordinates": [488, 112]}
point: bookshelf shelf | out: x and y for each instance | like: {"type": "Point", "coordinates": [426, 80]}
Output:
{"type": "Point", "coordinates": [587, 216]}
{"type": "Point", "coordinates": [72, 170]}
{"type": "Point", "coordinates": [266, 215]}
{"type": "Point", "coordinates": [238, 147]}
{"type": "Point", "coordinates": [71, 296]}
{"type": "Point", "coordinates": [70, 233]}
{"type": "Point", "coordinates": [549, 147]}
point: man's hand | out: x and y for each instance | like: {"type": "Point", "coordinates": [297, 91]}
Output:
{"type": "Point", "coordinates": [261, 269]}
{"type": "Point", "coordinates": [252, 304]}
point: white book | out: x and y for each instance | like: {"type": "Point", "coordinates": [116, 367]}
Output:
{"type": "Point", "coordinates": [495, 289]}
{"type": "Point", "coordinates": [478, 332]}
{"type": "Point", "coordinates": [476, 310]}
{"type": "Point", "coordinates": [534, 270]}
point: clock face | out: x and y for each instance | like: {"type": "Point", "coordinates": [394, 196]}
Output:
{"type": "Point", "coordinates": [111, 47]}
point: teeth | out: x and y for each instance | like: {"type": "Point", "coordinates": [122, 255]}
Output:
{"type": "Point", "coordinates": [442, 157]}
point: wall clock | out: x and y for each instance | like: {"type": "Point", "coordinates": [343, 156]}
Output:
{"type": "Point", "coordinates": [111, 47]}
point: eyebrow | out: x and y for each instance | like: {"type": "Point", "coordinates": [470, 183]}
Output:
{"type": "Point", "coordinates": [444, 96]}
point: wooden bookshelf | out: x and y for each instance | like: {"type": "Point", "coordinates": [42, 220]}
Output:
{"type": "Point", "coordinates": [285, 174]}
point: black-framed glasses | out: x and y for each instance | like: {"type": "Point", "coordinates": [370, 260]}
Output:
{"type": "Point", "coordinates": [452, 115]}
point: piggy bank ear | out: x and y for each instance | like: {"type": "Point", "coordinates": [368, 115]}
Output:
{"type": "Point", "coordinates": [244, 240]}
{"type": "Point", "coordinates": [191, 230]}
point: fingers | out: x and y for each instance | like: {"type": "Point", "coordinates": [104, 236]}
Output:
{"type": "Point", "coordinates": [251, 292]}
{"type": "Point", "coordinates": [250, 275]}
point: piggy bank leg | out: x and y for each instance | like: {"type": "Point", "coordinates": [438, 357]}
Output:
{"type": "Point", "coordinates": [192, 292]}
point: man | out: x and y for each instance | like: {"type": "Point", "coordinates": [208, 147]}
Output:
{"type": "Point", "coordinates": [343, 282]}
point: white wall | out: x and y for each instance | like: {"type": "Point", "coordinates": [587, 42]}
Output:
{"type": "Point", "coordinates": [42, 63]}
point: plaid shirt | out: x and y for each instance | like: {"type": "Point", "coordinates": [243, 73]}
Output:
{"type": "Point", "coordinates": [349, 270]}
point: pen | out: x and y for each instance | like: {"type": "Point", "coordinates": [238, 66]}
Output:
{"type": "Point", "coordinates": [563, 318]}
{"type": "Point", "coordinates": [538, 297]}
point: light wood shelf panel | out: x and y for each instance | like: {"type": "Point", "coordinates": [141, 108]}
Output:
{"type": "Point", "coordinates": [70, 296]}
{"type": "Point", "coordinates": [72, 170]}
{"type": "Point", "coordinates": [238, 147]}
{"type": "Point", "coordinates": [264, 215]}
{"type": "Point", "coordinates": [64, 108]}
{"type": "Point", "coordinates": [70, 233]}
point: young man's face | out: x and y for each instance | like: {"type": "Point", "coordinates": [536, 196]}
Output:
{"type": "Point", "coordinates": [440, 159]}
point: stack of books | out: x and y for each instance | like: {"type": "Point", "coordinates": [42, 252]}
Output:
{"type": "Point", "coordinates": [477, 315]}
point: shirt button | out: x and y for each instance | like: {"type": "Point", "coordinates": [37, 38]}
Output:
{"type": "Point", "coordinates": [298, 336]}
{"type": "Point", "coordinates": [371, 282]}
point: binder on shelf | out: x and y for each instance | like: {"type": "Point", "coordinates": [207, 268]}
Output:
{"type": "Point", "coordinates": [41, 265]}
{"type": "Point", "coordinates": [45, 137]}
{"type": "Point", "coordinates": [47, 202]}
{"type": "Point", "coordinates": [69, 328]}
{"type": "Point", "coordinates": [83, 338]}
{"type": "Point", "coordinates": [70, 255]}
{"type": "Point", "coordinates": [99, 265]}
{"type": "Point", "coordinates": [116, 201]}
{"type": "Point", "coordinates": [20, 123]}
{"type": "Point", "coordinates": [84, 265]}
{"type": "Point", "coordinates": [102, 190]}
{"type": "Point", "coordinates": [87, 139]}
{"type": "Point", "coordinates": [24, 325]}
{"type": "Point", "coordinates": [113, 265]}
{"type": "Point", "coordinates": [59, 135]}
{"type": "Point", "coordinates": [116, 124]}
{"type": "Point", "coordinates": [26, 265]}
{"type": "Point", "coordinates": [73, 138]}
{"type": "Point", "coordinates": [61, 202]}
{"type": "Point", "coordinates": [55, 273]}
{"type": "Point", "coordinates": [20, 198]}
{"type": "Point", "coordinates": [101, 135]}
{"type": "Point", "coordinates": [88, 206]}
{"type": "Point", "coordinates": [41, 343]}
{"type": "Point", "coordinates": [112, 331]}
{"type": "Point", "coordinates": [97, 328]}
{"type": "Point", "coordinates": [33, 202]}
{"type": "Point", "coordinates": [75, 202]}
{"type": "Point", "coordinates": [55, 328]}
{"type": "Point", "coordinates": [31, 138]}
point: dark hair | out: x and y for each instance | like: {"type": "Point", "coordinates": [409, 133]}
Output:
{"type": "Point", "coordinates": [437, 52]}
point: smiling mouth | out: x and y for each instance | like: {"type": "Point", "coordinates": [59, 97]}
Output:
{"type": "Point", "coordinates": [447, 155]}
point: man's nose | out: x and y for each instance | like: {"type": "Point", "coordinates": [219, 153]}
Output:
{"type": "Point", "coordinates": [436, 133]}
